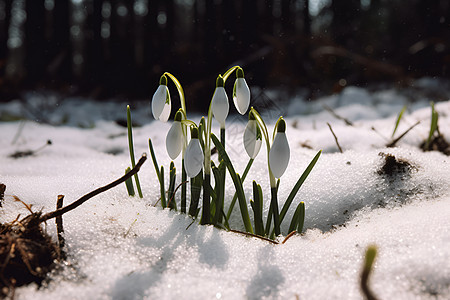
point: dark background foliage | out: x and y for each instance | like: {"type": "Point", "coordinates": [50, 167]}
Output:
{"type": "Point", "coordinates": [118, 48]}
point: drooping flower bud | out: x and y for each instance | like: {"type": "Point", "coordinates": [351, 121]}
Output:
{"type": "Point", "coordinates": [241, 92]}
{"type": "Point", "coordinates": [161, 104]}
{"type": "Point", "coordinates": [219, 102]}
{"type": "Point", "coordinates": [279, 151]}
{"type": "Point", "coordinates": [252, 137]}
{"type": "Point", "coordinates": [174, 139]}
{"type": "Point", "coordinates": [193, 157]}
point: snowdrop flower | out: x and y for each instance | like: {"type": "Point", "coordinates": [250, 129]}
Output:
{"type": "Point", "coordinates": [241, 92]}
{"type": "Point", "coordinates": [174, 139]}
{"type": "Point", "coordinates": [219, 102]}
{"type": "Point", "coordinates": [161, 105]}
{"type": "Point", "coordinates": [252, 137]}
{"type": "Point", "coordinates": [193, 157]}
{"type": "Point", "coordinates": [279, 152]}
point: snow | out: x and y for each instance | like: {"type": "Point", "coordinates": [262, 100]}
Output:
{"type": "Point", "coordinates": [123, 247]}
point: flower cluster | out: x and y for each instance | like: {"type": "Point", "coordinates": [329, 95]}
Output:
{"type": "Point", "coordinates": [197, 165]}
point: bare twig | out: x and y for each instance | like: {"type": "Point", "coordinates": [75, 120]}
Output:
{"type": "Point", "coordinates": [59, 225]}
{"type": "Point", "coordinates": [331, 111]}
{"type": "Point", "coordinates": [61, 211]}
{"type": "Point", "coordinates": [173, 195]}
{"type": "Point", "coordinates": [289, 236]}
{"type": "Point", "coordinates": [254, 235]}
{"type": "Point", "coordinates": [392, 144]}
{"type": "Point", "coordinates": [335, 138]}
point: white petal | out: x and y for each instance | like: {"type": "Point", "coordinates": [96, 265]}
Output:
{"type": "Point", "coordinates": [174, 140]}
{"type": "Point", "coordinates": [251, 144]}
{"type": "Point", "coordinates": [241, 95]}
{"type": "Point", "coordinates": [193, 158]}
{"type": "Point", "coordinates": [279, 155]}
{"type": "Point", "coordinates": [161, 105]}
{"type": "Point", "coordinates": [220, 106]}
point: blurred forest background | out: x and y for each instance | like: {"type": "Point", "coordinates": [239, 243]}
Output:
{"type": "Point", "coordinates": [117, 48]}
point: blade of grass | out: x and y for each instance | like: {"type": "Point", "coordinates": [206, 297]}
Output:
{"type": "Point", "coordinates": [196, 188]}
{"type": "Point", "coordinates": [162, 188]}
{"type": "Point", "coordinates": [237, 183]}
{"type": "Point", "coordinates": [131, 147]}
{"type": "Point", "coordinates": [297, 186]}
{"type": "Point", "coordinates": [257, 209]}
{"type": "Point", "coordinates": [433, 126]}
{"type": "Point", "coordinates": [170, 192]}
{"type": "Point", "coordinates": [244, 175]}
{"type": "Point", "coordinates": [400, 115]}
{"type": "Point", "coordinates": [129, 184]}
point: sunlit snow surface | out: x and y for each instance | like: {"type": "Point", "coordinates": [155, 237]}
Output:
{"type": "Point", "coordinates": [125, 248]}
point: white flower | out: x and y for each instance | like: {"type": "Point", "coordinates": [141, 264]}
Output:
{"type": "Point", "coordinates": [252, 138]}
{"type": "Point", "coordinates": [161, 104]}
{"type": "Point", "coordinates": [193, 157]}
{"type": "Point", "coordinates": [174, 140]}
{"type": "Point", "coordinates": [279, 152]}
{"type": "Point", "coordinates": [241, 93]}
{"type": "Point", "coordinates": [220, 106]}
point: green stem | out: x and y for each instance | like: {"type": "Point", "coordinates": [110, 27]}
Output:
{"type": "Point", "coordinates": [183, 188]}
{"type": "Point", "coordinates": [206, 213]}
{"type": "Point", "coordinates": [131, 147]}
{"type": "Point", "coordinates": [276, 216]}
{"type": "Point", "coordinates": [221, 199]}
{"type": "Point", "coordinates": [228, 73]}
{"type": "Point", "coordinates": [180, 91]}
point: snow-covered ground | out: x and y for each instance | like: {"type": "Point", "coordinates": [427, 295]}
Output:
{"type": "Point", "coordinates": [123, 247]}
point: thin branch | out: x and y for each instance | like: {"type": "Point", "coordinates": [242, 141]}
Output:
{"type": "Point", "coordinates": [176, 189]}
{"type": "Point", "coordinates": [392, 144]}
{"type": "Point", "coordinates": [331, 111]}
{"type": "Point", "coordinates": [289, 236]}
{"type": "Point", "coordinates": [335, 138]}
{"type": "Point", "coordinates": [59, 224]}
{"type": "Point", "coordinates": [255, 235]}
{"type": "Point", "coordinates": [61, 211]}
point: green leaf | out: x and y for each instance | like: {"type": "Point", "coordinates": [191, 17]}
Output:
{"type": "Point", "coordinates": [237, 183]}
{"type": "Point", "coordinates": [400, 115]}
{"type": "Point", "coordinates": [244, 175]}
{"type": "Point", "coordinates": [297, 186]}
{"type": "Point", "coordinates": [257, 209]}
{"type": "Point", "coordinates": [170, 192]}
{"type": "Point", "coordinates": [196, 189]}
{"type": "Point", "coordinates": [131, 148]}
{"type": "Point", "coordinates": [155, 162]}
{"type": "Point", "coordinates": [298, 218]}
{"type": "Point", "coordinates": [162, 188]}
{"type": "Point", "coordinates": [433, 126]}
{"type": "Point", "coordinates": [129, 184]}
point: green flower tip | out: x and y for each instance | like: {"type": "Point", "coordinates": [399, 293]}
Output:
{"type": "Point", "coordinates": [194, 132]}
{"type": "Point", "coordinates": [239, 73]}
{"type": "Point", "coordinates": [281, 125]}
{"type": "Point", "coordinates": [251, 116]}
{"type": "Point", "coordinates": [163, 80]}
{"type": "Point", "coordinates": [178, 116]}
{"type": "Point", "coordinates": [219, 81]}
